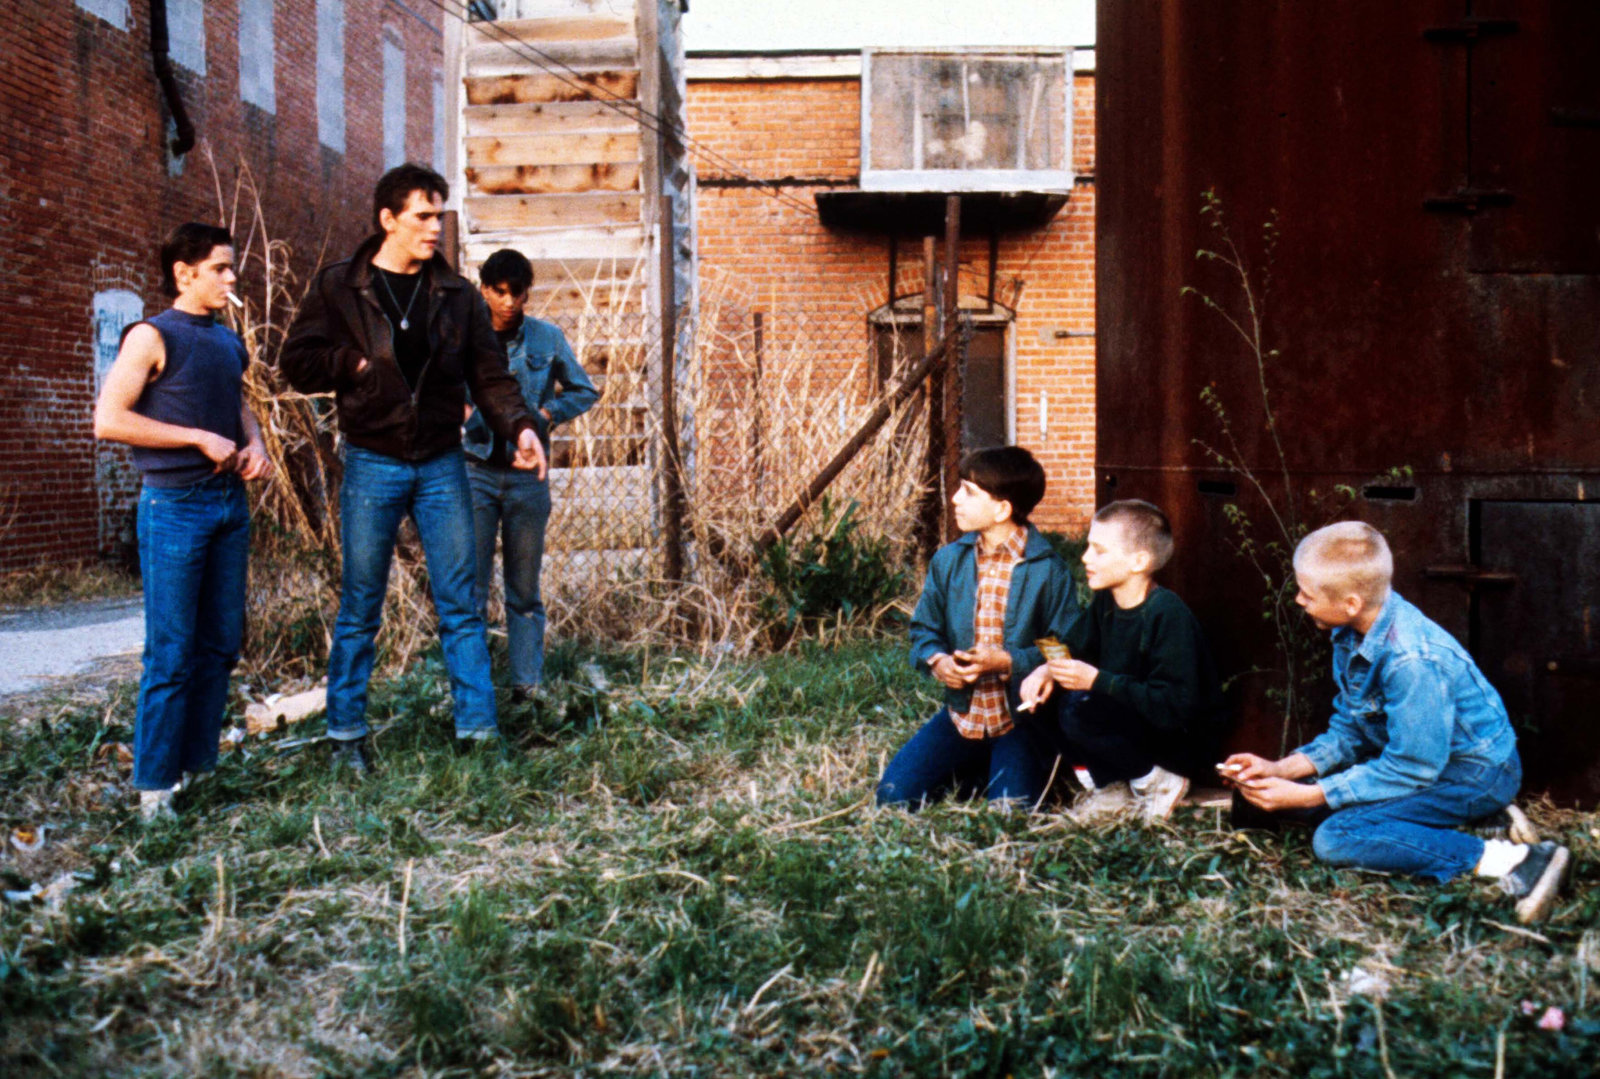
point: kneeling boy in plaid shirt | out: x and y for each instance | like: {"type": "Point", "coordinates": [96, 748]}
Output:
{"type": "Point", "coordinates": [988, 597]}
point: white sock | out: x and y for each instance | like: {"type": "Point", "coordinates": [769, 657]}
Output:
{"type": "Point", "coordinates": [1500, 856]}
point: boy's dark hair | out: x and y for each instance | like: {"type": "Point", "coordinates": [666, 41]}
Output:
{"type": "Point", "coordinates": [395, 187]}
{"type": "Point", "coordinates": [507, 267]}
{"type": "Point", "coordinates": [189, 243]}
{"type": "Point", "coordinates": [1144, 528]}
{"type": "Point", "coordinates": [1009, 473]}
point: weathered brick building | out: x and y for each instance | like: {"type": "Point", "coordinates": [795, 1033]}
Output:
{"type": "Point", "coordinates": [793, 123]}
{"type": "Point", "coordinates": [316, 97]}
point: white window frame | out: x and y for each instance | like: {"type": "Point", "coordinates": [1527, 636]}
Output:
{"type": "Point", "coordinates": [964, 179]}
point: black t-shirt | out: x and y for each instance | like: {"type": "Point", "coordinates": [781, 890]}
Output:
{"type": "Point", "coordinates": [404, 300]}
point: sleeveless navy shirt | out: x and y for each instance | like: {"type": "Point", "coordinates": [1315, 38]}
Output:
{"type": "Point", "coordinates": [200, 385]}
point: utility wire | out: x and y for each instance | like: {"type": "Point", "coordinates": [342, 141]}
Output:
{"type": "Point", "coordinates": [627, 107]}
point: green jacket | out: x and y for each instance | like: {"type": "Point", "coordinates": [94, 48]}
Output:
{"type": "Point", "coordinates": [1042, 601]}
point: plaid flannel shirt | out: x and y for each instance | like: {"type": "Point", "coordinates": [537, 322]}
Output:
{"type": "Point", "coordinates": [990, 713]}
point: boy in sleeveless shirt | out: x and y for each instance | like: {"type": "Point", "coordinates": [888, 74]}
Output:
{"type": "Point", "coordinates": [175, 394]}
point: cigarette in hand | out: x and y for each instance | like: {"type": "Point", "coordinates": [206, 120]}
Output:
{"type": "Point", "coordinates": [1230, 769]}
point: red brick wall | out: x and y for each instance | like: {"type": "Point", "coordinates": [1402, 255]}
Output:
{"type": "Point", "coordinates": [779, 259]}
{"type": "Point", "coordinates": [88, 196]}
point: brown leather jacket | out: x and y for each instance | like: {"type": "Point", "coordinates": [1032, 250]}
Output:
{"type": "Point", "coordinates": [340, 322]}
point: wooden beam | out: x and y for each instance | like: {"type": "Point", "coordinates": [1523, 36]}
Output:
{"type": "Point", "coordinates": [671, 476]}
{"type": "Point", "coordinates": [552, 149]}
{"type": "Point", "coordinates": [565, 9]}
{"type": "Point", "coordinates": [548, 118]}
{"type": "Point", "coordinates": [528, 89]}
{"type": "Point", "coordinates": [561, 28]}
{"type": "Point", "coordinates": [869, 427]}
{"type": "Point", "coordinates": [553, 179]}
{"type": "Point", "coordinates": [515, 212]}
{"type": "Point", "coordinates": [623, 245]}
{"type": "Point", "coordinates": [514, 59]}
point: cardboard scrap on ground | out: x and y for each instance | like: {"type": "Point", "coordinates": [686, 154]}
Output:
{"type": "Point", "coordinates": [284, 712]}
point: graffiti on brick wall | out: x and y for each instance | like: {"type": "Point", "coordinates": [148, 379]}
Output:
{"type": "Point", "coordinates": [114, 310]}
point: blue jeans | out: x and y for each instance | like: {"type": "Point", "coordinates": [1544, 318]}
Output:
{"type": "Point", "coordinates": [378, 491]}
{"type": "Point", "coordinates": [515, 504]}
{"type": "Point", "coordinates": [1016, 765]}
{"type": "Point", "coordinates": [1416, 834]}
{"type": "Point", "coordinates": [194, 545]}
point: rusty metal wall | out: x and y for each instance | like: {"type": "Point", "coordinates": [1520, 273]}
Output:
{"type": "Point", "coordinates": [1434, 168]}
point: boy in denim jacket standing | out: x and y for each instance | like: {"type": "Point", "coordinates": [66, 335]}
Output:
{"type": "Point", "coordinates": [1419, 743]}
{"type": "Point", "coordinates": [988, 597]}
{"type": "Point", "coordinates": [512, 502]}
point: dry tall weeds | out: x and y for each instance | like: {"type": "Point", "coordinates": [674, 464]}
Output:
{"type": "Point", "coordinates": [749, 446]}
{"type": "Point", "coordinates": [294, 566]}
{"type": "Point", "coordinates": [756, 420]}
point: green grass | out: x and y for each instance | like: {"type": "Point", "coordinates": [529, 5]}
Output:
{"type": "Point", "coordinates": [683, 876]}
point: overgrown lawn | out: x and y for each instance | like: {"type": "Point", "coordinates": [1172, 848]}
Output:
{"type": "Point", "coordinates": [683, 875]}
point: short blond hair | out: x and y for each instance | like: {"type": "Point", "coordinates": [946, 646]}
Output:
{"type": "Point", "coordinates": [1350, 558]}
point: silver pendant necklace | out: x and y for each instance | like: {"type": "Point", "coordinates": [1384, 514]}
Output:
{"type": "Point", "coordinates": [405, 316]}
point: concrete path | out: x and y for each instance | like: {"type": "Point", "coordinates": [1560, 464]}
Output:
{"type": "Point", "coordinates": [38, 647]}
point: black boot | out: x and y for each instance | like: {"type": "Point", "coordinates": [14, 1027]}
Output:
{"type": "Point", "coordinates": [352, 754]}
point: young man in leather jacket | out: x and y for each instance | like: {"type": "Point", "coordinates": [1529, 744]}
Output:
{"type": "Point", "coordinates": [399, 337]}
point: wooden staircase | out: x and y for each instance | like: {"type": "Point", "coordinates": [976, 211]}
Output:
{"type": "Point", "coordinates": [553, 161]}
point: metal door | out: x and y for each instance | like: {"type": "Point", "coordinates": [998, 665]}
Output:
{"type": "Point", "coordinates": [1534, 632]}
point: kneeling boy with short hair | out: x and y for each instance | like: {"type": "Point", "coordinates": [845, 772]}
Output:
{"type": "Point", "coordinates": [1419, 742]}
{"type": "Point", "coordinates": [1146, 711]}
{"type": "Point", "coordinates": [988, 597]}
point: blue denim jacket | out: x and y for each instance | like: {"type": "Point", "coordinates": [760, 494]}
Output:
{"type": "Point", "coordinates": [541, 360]}
{"type": "Point", "coordinates": [1410, 701]}
{"type": "Point", "coordinates": [1042, 600]}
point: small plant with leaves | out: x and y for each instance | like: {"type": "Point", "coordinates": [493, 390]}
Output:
{"type": "Point", "coordinates": [833, 572]}
{"type": "Point", "coordinates": [1268, 543]}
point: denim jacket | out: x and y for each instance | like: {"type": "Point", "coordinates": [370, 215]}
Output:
{"type": "Point", "coordinates": [541, 360]}
{"type": "Point", "coordinates": [1042, 600]}
{"type": "Point", "coordinates": [1410, 701]}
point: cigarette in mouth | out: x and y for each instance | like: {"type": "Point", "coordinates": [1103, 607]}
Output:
{"type": "Point", "coordinates": [234, 299]}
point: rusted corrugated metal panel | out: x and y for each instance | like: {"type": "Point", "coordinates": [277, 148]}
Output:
{"type": "Point", "coordinates": [1432, 166]}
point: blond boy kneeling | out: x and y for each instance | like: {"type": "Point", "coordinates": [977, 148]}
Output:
{"type": "Point", "coordinates": [1419, 743]}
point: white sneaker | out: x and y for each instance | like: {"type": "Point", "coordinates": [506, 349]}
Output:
{"type": "Point", "coordinates": [155, 805]}
{"type": "Point", "coordinates": [1157, 793]}
{"type": "Point", "coordinates": [1102, 802]}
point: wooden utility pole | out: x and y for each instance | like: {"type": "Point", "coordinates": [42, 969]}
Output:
{"type": "Point", "coordinates": [950, 319]}
{"type": "Point", "coordinates": [672, 462]}
{"type": "Point", "coordinates": [929, 529]}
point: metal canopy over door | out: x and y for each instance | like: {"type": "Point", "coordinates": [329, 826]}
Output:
{"type": "Point", "coordinates": [1536, 635]}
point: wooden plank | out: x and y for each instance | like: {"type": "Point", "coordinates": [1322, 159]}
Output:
{"type": "Point", "coordinates": [516, 212]}
{"type": "Point", "coordinates": [516, 59]}
{"type": "Point", "coordinates": [561, 245]}
{"type": "Point", "coordinates": [579, 27]}
{"type": "Point", "coordinates": [553, 179]}
{"type": "Point", "coordinates": [525, 89]}
{"type": "Point", "coordinates": [556, 9]}
{"type": "Point", "coordinates": [551, 118]}
{"type": "Point", "coordinates": [581, 274]}
{"type": "Point", "coordinates": [484, 150]}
